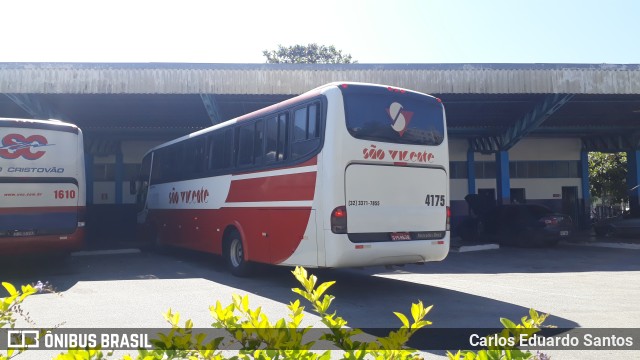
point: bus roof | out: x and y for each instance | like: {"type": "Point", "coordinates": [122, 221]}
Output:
{"type": "Point", "coordinates": [51, 124]}
{"type": "Point", "coordinates": [275, 108]}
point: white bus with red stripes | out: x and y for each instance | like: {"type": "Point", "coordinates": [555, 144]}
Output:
{"type": "Point", "coordinates": [42, 187]}
{"type": "Point", "coordinates": [344, 175]}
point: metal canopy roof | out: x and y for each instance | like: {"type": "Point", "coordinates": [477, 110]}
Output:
{"type": "Point", "coordinates": [493, 105]}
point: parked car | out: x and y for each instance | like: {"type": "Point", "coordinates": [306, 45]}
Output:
{"type": "Point", "coordinates": [514, 224]}
{"type": "Point", "coordinates": [624, 224]}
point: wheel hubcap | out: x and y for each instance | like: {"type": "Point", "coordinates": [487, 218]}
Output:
{"type": "Point", "coordinates": [237, 254]}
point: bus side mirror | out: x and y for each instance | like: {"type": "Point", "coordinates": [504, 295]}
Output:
{"type": "Point", "coordinates": [134, 186]}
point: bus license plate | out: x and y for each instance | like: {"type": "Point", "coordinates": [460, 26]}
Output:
{"type": "Point", "coordinates": [24, 233]}
{"type": "Point", "coordinates": [400, 236]}
{"type": "Point", "coordinates": [564, 233]}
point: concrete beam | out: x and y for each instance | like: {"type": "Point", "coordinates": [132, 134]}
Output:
{"type": "Point", "coordinates": [211, 105]}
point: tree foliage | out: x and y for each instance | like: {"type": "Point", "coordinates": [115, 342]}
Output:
{"type": "Point", "coordinates": [307, 54]}
{"type": "Point", "coordinates": [608, 176]}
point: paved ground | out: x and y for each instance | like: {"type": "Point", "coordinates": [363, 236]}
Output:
{"type": "Point", "coordinates": [583, 238]}
{"type": "Point", "coordinates": [579, 284]}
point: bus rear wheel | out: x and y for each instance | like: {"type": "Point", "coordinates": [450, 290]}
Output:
{"type": "Point", "coordinates": [158, 245]}
{"type": "Point", "coordinates": [234, 255]}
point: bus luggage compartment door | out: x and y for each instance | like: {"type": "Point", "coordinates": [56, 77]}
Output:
{"type": "Point", "coordinates": [393, 201]}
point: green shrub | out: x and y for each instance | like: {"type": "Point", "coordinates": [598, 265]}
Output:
{"type": "Point", "coordinates": [9, 306]}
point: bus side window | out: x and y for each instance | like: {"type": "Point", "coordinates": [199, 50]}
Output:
{"type": "Point", "coordinates": [142, 182]}
{"type": "Point", "coordinates": [176, 162]}
{"type": "Point", "coordinates": [312, 128]}
{"type": "Point", "coordinates": [258, 143]}
{"type": "Point", "coordinates": [221, 150]}
{"type": "Point", "coordinates": [283, 136]}
{"type": "Point", "coordinates": [195, 156]}
{"type": "Point", "coordinates": [245, 145]}
{"type": "Point", "coordinates": [271, 146]}
{"type": "Point", "coordinates": [159, 165]}
{"type": "Point", "coordinates": [306, 130]}
{"type": "Point", "coordinates": [300, 124]}
{"type": "Point", "coordinates": [277, 139]}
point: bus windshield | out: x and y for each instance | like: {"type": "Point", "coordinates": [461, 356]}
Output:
{"type": "Point", "coordinates": [394, 116]}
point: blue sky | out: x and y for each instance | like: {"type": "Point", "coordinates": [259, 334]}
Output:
{"type": "Point", "coordinates": [392, 31]}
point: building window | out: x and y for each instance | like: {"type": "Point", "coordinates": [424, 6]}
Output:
{"type": "Point", "coordinates": [458, 170]}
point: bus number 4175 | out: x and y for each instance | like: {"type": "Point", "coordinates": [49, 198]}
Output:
{"type": "Point", "coordinates": [434, 200]}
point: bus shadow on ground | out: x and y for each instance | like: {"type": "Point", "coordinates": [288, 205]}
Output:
{"type": "Point", "coordinates": [364, 300]}
{"type": "Point", "coordinates": [179, 263]}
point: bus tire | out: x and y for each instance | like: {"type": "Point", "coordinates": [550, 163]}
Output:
{"type": "Point", "coordinates": [234, 255]}
{"type": "Point", "coordinates": [158, 246]}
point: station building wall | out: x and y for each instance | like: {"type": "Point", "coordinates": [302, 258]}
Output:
{"type": "Point", "coordinates": [540, 169]}
{"type": "Point", "coordinates": [104, 172]}
{"type": "Point", "coordinates": [111, 217]}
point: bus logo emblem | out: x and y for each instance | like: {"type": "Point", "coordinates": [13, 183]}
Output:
{"type": "Point", "coordinates": [400, 118]}
{"type": "Point", "coordinates": [16, 145]}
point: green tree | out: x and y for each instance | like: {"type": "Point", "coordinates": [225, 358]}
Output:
{"type": "Point", "coordinates": [307, 54]}
{"type": "Point", "coordinates": [608, 176]}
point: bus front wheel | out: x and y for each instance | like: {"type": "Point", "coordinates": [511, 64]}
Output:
{"type": "Point", "coordinates": [234, 253]}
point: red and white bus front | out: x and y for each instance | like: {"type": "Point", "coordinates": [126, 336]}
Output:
{"type": "Point", "coordinates": [42, 199]}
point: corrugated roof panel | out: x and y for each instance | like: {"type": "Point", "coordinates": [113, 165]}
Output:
{"type": "Point", "coordinates": [270, 79]}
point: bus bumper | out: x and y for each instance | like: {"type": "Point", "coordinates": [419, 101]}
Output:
{"type": "Point", "coordinates": [340, 252]}
{"type": "Point", "coordinates": [42, 245]}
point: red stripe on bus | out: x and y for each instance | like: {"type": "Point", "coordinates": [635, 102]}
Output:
{"type": "Point", "coordinates": [271, 235]}
{"type": "Point", "coordinates": [292, 187]}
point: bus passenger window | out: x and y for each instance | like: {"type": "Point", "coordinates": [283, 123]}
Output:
{"type": "Point", "coordinates": [258, 148]}
{"type": "Point", "coordinates": [283, 139]}
{"type": "Point", "coordinates": [245, 144]}
{"type": "Point", "coordinates": [277, 140]}
{"type": "Point", "coordinates": [306, 131]}
{"type": "Point", "coordinates": [313, 123]}
{"type": "Point", "coordinates": [159, 169]}
{"type": "Point", "coordinates": [271, 148]}
{"type": "Point", "coordinates": [195, 159]}
{"type": "Point", "coordinates": [220, 148]}
{"type": "Point", "coordinates": [300, 125]}
{"type": "Point", "coordinates": [175, 162]}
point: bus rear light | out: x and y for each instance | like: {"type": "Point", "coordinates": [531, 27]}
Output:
{"type": "Point", "coordinates": [448, 218]}
{"type": "Point", "coordinates": [395, 90]}
{"type": "Point", "coordinates": [339, 220]}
